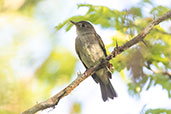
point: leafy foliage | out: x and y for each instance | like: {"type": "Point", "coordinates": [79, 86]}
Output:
{"type": "Point", "coordinates": [59, 66]}
{"type": "Point", "coordinates": [159, 10]}
{"type": "Point", "coordinates": [54, 68]}
{"type": "Point", "coordinates": [19, 31]}
{"type": "Point", "coordinates": [127, 24]}
{"type": "Point", "coordinates": [23, 6]}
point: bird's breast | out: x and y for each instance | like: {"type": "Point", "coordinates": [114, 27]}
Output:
{"type": "Point", "coordinates": [89, 49]}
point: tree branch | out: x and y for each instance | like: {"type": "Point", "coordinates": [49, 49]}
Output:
{"type": "Point", "coordinates": [158, 71]}
{"type": "Point", "coordinates": [52, 101]}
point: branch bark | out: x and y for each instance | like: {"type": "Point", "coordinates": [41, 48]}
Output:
{"type": "Point", "coordinates": [53, 101]}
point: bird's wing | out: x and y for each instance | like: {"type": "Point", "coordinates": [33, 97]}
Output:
{"type": "Point", "coordinates": [110, 66]}
{"type": "Point", "coordinates": [101, 44]}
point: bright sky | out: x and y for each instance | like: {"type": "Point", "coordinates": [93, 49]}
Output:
{"type": "Point", "coordinates": [88, 92]}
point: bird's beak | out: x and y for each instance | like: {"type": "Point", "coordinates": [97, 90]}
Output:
{"type": "Point", "coordinates": [75, 23]}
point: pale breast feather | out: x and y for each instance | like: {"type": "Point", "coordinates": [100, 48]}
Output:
{"type": "Point", "coordinates": [90, 52]}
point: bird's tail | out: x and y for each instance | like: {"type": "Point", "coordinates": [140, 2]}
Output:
{"type": "Point", "coordinates": [107, 90]}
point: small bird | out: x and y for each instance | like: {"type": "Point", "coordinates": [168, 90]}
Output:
{"type": "Point", "coordinates": [91, 50]}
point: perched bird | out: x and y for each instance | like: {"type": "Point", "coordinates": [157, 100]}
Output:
{"type": "Point", "coordinates": [91, 50]}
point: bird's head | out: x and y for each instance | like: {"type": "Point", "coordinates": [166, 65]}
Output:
{"type": "Point", "coordinates": [83, 27]}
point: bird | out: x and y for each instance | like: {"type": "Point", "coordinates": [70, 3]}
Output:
{"type": "Point", "coordinates": [91, 50]}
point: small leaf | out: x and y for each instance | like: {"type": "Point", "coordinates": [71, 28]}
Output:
{"type": "Point", "coordinates": [123, 75]}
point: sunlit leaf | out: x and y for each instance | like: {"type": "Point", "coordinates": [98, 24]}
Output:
{"type": "Point", "coordinates": [159, 10]}
{"type": "Point", "coordinates": [158, 111]}
{"type": "Point", "coordinates": [76, 108]}
{"type": "Point", "coordinates": [123, 75]}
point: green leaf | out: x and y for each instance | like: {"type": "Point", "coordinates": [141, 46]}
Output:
{"type": "Point", "coordinates": [158, 111]}
{"type": "Point", "coordinates": [135, 11]}
{"type": "Point", "coordinates": [147, 1]}
{"type": "Point", "coordinates": [159, 10]}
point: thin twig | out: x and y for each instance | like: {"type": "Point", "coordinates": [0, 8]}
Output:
{"type": "Point", "coordinates": [159, 71]}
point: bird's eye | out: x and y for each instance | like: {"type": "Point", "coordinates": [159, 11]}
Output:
{"type": "Point", "coordinates": [83, 25]}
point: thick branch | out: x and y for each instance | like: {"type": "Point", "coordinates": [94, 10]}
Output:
{"type": "Point", "coordinates": [51, 102]}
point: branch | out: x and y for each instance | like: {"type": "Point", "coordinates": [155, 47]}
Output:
{"type": "Point", "coordinates": [161, 72]}
{"type": "Point", "coordinates": [158, 71]}
{"type": "Point", "coordinates": [52, 101]}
